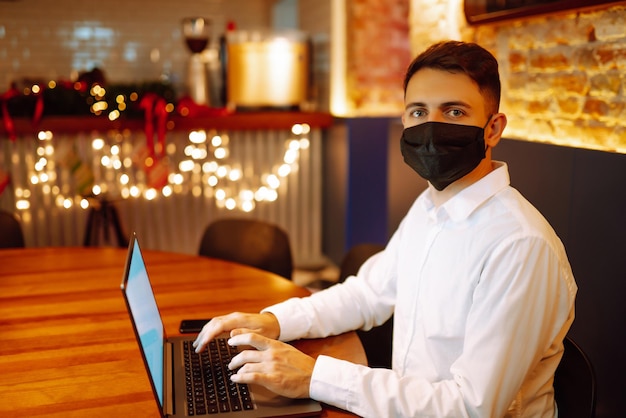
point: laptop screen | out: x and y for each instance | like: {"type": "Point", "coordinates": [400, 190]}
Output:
{"type": "Point", "coordinates": [145, 315]}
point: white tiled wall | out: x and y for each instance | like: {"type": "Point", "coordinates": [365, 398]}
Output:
{"type": "Point", "coordinates": [131, 40]}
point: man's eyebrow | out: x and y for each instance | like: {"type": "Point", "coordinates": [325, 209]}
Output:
{"type": "Point", "coordinates": [455, 103]}
{"type": "Point", "coordinates": [414, 104]}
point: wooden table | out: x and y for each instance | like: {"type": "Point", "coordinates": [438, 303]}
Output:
{"type": "Point", "coordinates": [66, 342]}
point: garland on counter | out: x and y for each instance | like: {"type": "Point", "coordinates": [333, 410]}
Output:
{"type": "Point", "coordinates": [65, 98]}
{"type": "Point", "coordinates": [90, 95]}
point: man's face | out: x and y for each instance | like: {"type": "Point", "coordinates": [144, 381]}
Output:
{"type": "Point", "coordinates": [440, 96]}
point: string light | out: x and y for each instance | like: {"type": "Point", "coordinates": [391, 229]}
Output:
{"type": "Point", "coordinates": [128, 171]}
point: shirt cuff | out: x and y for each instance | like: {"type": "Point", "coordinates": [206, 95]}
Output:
{"type": "Point", "coordinates": [330, 381]}
{"type": "Point", "coordinates": [293, 324]}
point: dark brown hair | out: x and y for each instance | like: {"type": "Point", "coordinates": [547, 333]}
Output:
{"type": "Point", "coordinates": [462, 57]}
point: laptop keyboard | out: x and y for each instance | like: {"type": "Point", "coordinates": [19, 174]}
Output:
{"type": "Point", "coordinates": [209, 388]}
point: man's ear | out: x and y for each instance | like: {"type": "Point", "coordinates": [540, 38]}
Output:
{"type": "Point", "coordinates": [494, 129]}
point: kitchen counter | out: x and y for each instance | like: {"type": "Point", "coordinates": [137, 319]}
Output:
{"type": "Point", "coordinates": [50, 173]}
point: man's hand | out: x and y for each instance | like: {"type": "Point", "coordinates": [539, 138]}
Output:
{"type": "Point", "coordinates": [275, 365]}
{"type": "Point", "coordinates": [236, 323]}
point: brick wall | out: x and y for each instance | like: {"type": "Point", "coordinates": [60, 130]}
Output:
{"type": "Point", "coordinates": [378, 53]}
{"type": "Point", "coordinates": [562, 75]}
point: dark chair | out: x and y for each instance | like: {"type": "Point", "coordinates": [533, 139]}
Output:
{"type": "Point", "coordinates": [103, 219]}
{"type": "Point", "coordinates": [355, 257]}
{"type": "Point", "coordinates": [378, 340]}
{"type": "Point", "coordinates": [252, 242]}
{"type": "Point", "coordinates": [11, 235]}
{"type": "Point", "coordinates": [575, 383]}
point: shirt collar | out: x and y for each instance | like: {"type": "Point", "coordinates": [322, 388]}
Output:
{"type": "Point", "coordinates": [461, 206]}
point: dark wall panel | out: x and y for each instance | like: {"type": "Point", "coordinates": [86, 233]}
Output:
{"type": "Point", "coordinates": [367, 181]}
{"type": "Point", "coordinates": [597, 251]}
{"type": "Point", "coordinates": [335, 186]}
{"type": "Point", "coordinates": [355, 185]}
{"type": "Point", "coordinates": [543, 174]}
{"type": "Point", "coordinates": [581, 193]}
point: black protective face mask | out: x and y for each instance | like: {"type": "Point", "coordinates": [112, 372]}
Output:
{"type": "Point", "coordinates": [443, 152]}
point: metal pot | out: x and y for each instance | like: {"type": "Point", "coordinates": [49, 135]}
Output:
{"type": "Point", "coordinates": [267, 69]}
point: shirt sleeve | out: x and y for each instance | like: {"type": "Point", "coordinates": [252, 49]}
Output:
{"type": "Point", "coordinates": [372, 392]}
{"type": "Point", "coordinates": [358, 303]}
{"type": "Point", "coordinates": [522, 308]}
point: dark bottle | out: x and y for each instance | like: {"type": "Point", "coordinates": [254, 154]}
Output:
{"type": "Point", "coordinates": [223, 53]}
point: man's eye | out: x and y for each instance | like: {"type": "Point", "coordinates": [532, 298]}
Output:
{"type": "Point", "coordinates": [455, 113]}
{"type": "Point", "coordinates": [417, 113]}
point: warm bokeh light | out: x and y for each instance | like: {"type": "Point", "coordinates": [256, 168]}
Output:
{"type": "Point", "coordinates": [220, 153]}
{"type": "Point", "coordinates": [114, 114]}
{"type": "Point", "coordinates": [284, 170]}
{"type": "Point", "coordinates": [186, 165]}
{"type": "Point", "coordinates": [197, 137]}
{"type": "Point", "coordinates": [134, 191]}
{"type": "Point", "coordinates": [97, 144]}
{"type": "Point", "coordinates": [22, 204]}
{"type": "Point", "coordinates": [273, 181]}
{"type": "Point", "coordinates": [290, 156]}
{"type": "Point", "coordinates": [150, 194]}
{"type": "Point", "coordinates": [235, 174]}
{"type": "Point", "coordinates": [297, 129]}
{"type": "Point", "coordinates": [230, 203]}
{"type": "Point", "coordinates": [247, 205]}
{"type": "Point", "coordinates": [129, 170]}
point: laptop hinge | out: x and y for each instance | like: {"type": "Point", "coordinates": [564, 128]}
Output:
{"type": "Point", "coordinates": [168, 381]}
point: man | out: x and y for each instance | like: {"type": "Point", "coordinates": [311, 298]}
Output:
{"type": "Point", "coordinates": [479, 284]}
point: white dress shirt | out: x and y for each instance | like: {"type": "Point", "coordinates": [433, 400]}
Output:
{"type": "Point", "coordinates": [482, 295]}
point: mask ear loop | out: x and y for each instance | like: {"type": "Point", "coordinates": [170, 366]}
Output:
{"type": "Point", "coordinates": [487, 123]}
{"type": "Point", "coordinates": [488, 120]}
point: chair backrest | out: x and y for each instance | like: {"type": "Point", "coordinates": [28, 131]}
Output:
{"type": "Point", "coordinates": [575, 383]}
{"type": "Point", "coordinates": [252, 242]}
{"type": "Point", "coordinates": [356, 256]}
{"type": "Point", "coordinates": [377, 342]}
{"type": "Point", "coordinates": [11, 235]}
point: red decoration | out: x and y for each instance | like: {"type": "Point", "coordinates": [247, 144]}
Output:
{"type": "Point", "coordinates": [4, 180]}
{"type": "Point", "coordinates": [6, 116]}
{"type": "Point", "coordinates": [151, 158]}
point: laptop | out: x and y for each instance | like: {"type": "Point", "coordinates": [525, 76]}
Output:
{"type": "Point", "coordinates": [176, 372]}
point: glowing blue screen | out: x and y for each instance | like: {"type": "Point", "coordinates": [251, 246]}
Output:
{"type": "Point", "coordinates": [147, 319]}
